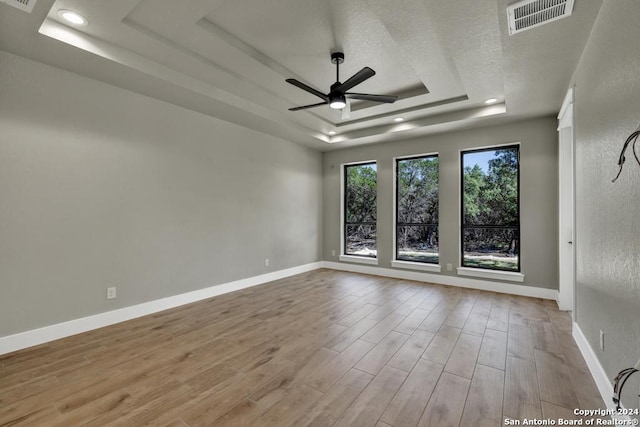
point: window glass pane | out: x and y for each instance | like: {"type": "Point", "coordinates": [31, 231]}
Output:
{"type": "Point", "coordinates": [417, 209]}
{"type": "Point", "coordinates": [494, 248]}
{"type": "Point", "coordinates": [418, 243]}
{"type": "Point", "coordinates": [360, 193]}
{"type": "Point", "coordinates": [360, 196]}
{"type": "Point", "coordinates": [490, 209]}
{"type": "Point", "coordinates": [361, 240]}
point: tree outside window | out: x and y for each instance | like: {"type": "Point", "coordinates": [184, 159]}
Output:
{"type": "Point", "coordinates": [491, 208]}
{"type": "Point", "coordinates": [417, 209]}
{"type": "Point", "coordinates": [360, 209]}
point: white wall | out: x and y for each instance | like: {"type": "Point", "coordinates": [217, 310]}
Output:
{"type": "Point", "coordinates": [103, 187]}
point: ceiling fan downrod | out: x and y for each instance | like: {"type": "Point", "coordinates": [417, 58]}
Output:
{"type": "Point", "coordinates": [337, 58]}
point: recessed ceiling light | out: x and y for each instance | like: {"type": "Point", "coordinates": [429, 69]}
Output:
{"type": "Point", "coordinates": [332, 132]}
{"type": "Point", "coordinates": [491, 101]}
{"type": "Point", "coordinates": [398, 119]}
{"type": "Point", "coordinates": [73, 17]}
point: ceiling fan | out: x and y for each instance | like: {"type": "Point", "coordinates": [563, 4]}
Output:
{"type": "Point", "coordinates": [337, 96]}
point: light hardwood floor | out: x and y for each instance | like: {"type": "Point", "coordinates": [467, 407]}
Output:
{"type": "Point", "coordinates": [322, 348]}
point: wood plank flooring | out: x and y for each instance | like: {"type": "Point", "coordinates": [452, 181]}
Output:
{"type": "Point", "coordinates": [325, 348]}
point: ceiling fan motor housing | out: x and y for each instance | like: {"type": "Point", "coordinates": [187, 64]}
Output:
{"type": "Point", "coordinates": [337, 99]}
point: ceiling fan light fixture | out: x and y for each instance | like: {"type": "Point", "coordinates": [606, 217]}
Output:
{"type": "Point", "coordinates": [337, 102]}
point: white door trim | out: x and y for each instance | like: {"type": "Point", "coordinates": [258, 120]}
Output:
{"type": "Point", "coordinates": [566, 205]}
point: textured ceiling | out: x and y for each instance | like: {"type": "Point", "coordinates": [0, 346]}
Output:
{"type": "Point", "coordinates": [230, 59]}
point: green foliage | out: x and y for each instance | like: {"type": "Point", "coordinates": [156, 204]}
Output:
{"type": "Point", "coordinates": [361, 207]}
{"type": "Point", "coordinates": [474, 185]}
{"type": "Point", "coordinates": [502, 188]}
{"type": "Point", "coordinates": [361, 193]}
{"type": "Point", "coordinates": [491, 199]}
{"type": "Point", "coordinates": [418, 190]}
{"type": "Point", "coordinates": [418, 209]}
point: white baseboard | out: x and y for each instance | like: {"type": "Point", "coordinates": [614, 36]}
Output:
{"type": "Point", "coordinates": [597, 371]}
{"type": "Point", "coordinates": [462, 282]}
{"type": "Point", "coordinates": [61, 330]}
{"type": "Point", "coordinates": [49, 333]}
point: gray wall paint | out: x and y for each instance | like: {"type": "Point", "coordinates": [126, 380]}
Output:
{"type": "Point", "coordinates": [103, 187]}
{"type": "Point", "coordinates": [539, 192]}
{"type": "Point", "coordinates": [607, 110]}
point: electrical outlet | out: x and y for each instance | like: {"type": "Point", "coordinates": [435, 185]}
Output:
{"type": "Point", "coordinates": [333, 252]}
{"type": "Point", "coordinates": [449, 267]}
{"type": "Point", "coordinates": [266, 262]}
{"type": "Point", "coordinates": [602, 340]}
{"type": "Point", "coordinates": [111, 293]}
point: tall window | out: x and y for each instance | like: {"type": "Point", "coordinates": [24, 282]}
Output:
{"type": "Point", "coordinates": [491, 208]}
{"type": "Point", "coordinates": [360, 196]}
{"type": "Point", "coordinates": [417, 209]}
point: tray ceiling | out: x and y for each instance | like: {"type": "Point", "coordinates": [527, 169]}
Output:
{"type": "Point", "coordinates": [230, 59]}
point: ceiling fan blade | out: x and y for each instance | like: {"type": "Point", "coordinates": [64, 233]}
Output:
{"type": "Point", "coordinates": [389, 99]}
{"type": "Point", "coordinates": [304, 107]}
{"type": "Point", "coordinates": [356, 79]}
{"type": "Point", "coordinates": [307, 88]}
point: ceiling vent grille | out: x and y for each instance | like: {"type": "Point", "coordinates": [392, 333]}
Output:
{"type": "Point", "coordinates": [527, 14]}
{"type": "Point", "coordinates": [24, 5]}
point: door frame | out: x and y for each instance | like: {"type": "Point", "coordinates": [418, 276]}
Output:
{"type": "Point", "coordinates": [566, 202]}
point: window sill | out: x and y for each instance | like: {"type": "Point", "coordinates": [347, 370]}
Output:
{"type": "Point", "coordinates": [416, 266]}
{"type": "Point", "coordinates": [491, 274]}
{"type": "Point", "coordinates": [359, 259]}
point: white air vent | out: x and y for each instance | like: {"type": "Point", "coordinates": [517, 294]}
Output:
{"type": "Point", "coordinates": [24, 5]}
{"type": "Point", "coordinates": [527, 14]}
